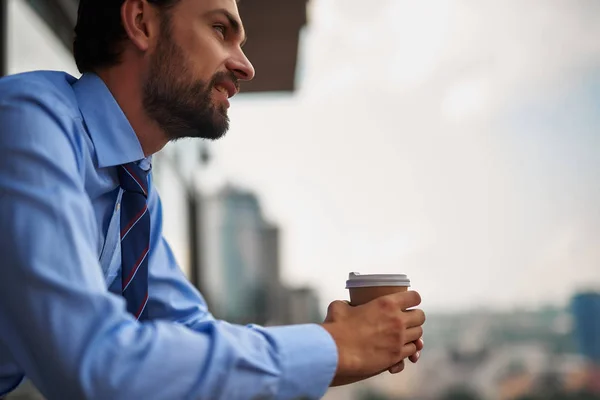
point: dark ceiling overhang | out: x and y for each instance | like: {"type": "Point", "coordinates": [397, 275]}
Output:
{"type": "Point", "coordinates": [273, 29]}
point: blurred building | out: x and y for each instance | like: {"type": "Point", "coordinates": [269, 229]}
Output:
{"type": "Point", "coordinates": [3, 36]}
{"type": "Point", "coordinates": [276, 294]}
{"type": "Point", "coordinates": [236, 274]}
{"type": "Point", "coordinates": [241, 265]}
{"type": "Point", "coordinates": [302, 306]}
{"type": "Point", "coordinates": [586, 315]}
{"type": "Point", "coordinates": [493, 355]}
{"type": "Point", "coordinates": [27, 40]}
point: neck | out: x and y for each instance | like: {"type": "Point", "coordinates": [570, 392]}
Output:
{"type": "Point", "coordinates": [126, 87]}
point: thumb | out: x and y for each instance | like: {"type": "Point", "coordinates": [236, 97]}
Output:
{"type": "Point", "coordinates": [336, 310]}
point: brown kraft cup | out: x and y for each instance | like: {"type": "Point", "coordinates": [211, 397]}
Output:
{"type": "Point", "coordinates": [364, 288]}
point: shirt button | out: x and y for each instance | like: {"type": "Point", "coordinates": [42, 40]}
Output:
{"type": "Point", "coordinates": [118, 206]}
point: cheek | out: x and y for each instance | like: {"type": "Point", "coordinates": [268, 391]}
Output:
{"type": "Point", "coordinates": [205, 53]}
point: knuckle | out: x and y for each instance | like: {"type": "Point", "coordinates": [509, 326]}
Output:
{"type": "Point", "coordinates": [393, 342]}
{"type": "Point", "coordinates": [398, 323]}
{"type": "Point", "coordinates": [385, 303]}
{"type": "Point", "coordinates": [399, 338]}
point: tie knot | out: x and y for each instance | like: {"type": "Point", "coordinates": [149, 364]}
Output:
{"type": "Point", "coordinates": [133, 179]}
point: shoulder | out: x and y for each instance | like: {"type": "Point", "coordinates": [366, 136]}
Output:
{"type": "Point", "coordinates": [51, 90]}
{"type": "Point", "coordinates": [38, 110]}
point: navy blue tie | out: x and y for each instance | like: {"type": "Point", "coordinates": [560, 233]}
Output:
{"type": "Point", "coordinates": [135, 238]}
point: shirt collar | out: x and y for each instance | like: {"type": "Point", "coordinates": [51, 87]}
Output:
{"type": "Point", "coordinates": [114, 139]}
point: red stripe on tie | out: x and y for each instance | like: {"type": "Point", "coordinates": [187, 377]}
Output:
{"type": "Point", "coordinates": [134, 176]}
{"type": "Point", "coordinates": [133, 221]}
{"type": "Point", "coordinates": [134, 270]}
{"type": "Point", "coordinates": [137, 314]}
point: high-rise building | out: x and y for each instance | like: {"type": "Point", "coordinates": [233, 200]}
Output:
{"type": "Point", "coordinates": [303, 306]}
{"type": "Point", "coordinates": [586, 313]}
{"type": "Point", "coordinates": [275, 296]}
{"type": "Point", "coordinates": [241, 278]}
{"type": "Point", "coordinates": [586, 316]}
{"type": "Point", "coordinates": [240, 265]}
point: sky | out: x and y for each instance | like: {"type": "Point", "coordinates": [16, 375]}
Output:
{"type": "Point", "coordinates": [454, 141]}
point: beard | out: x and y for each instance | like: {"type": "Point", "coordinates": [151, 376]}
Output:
{"type": "Point", "coordinates": [182, 106]}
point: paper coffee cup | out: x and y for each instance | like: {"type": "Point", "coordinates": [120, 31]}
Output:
{"type": "Point", "coordinates": [364, 288]}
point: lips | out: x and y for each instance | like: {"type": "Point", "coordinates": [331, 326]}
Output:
{"type": "Point", "coordinates": [226, 87]}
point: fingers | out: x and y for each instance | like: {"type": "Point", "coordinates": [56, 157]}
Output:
{"type": "Point", "coordinates": [413, 335]}
{"type": "Point", "coordinates": [403, 300]}
{"type": "Point", "coordinates": [420, 344]}
{"type": "Point", "coordinates": [408, 299]}
{"type": "Point", "coordinates": [414, 318]}
{"type": "Point", "coordinates": [415, 357]}
{"type": "Point", "coordinates": [408, 350]}
{"type": "Point", "coordinates": [397, 368]}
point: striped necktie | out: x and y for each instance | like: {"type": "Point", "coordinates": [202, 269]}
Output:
{"type": "Point", "coordinates": [135, 238]}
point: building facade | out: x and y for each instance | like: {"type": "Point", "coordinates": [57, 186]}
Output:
{"type": "Point", "coordinates": [586, 317]}
{"type": "Point", "coordinates": [586, 313]}
{"type": "Point", "coordinates": [239, 256]}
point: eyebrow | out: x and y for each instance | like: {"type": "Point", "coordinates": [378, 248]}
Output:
{"type": "Point", "coordinates": [236, 25]}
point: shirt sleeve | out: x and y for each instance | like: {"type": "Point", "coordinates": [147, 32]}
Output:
{"type": "Point", "coordinates": [305, 353]}
{"type": "Point", "coordinates": [171, 296]}
{"type": "Point", "coordinates": [73, 338]}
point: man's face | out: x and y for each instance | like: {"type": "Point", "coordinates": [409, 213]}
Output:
{"type": "Point", "coordinates": [195, 67]}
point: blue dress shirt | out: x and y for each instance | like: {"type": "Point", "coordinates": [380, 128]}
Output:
{"type": "Point", "coordinates": [60, 142]}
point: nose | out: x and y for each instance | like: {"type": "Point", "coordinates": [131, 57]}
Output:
{"type": "Point", "coordinates": [241, 66]}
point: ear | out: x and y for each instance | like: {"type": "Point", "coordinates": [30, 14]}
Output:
{"type": "Point", "coordinates": [141, 22]}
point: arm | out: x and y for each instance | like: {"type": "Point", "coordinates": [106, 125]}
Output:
{"type": "Point", "coordinates": [171, 295]}
{"type": "Point", "coordinates": [173, 298]}
{"type": "Point", "coordinates": [72, 337]}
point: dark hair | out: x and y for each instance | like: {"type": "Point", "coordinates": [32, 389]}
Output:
{"type": "Point", "coordinates": [99, 32]}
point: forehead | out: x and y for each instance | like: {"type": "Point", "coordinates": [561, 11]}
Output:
{"type": "Point", "coordinates": [209, 9]}
{"type": "Point", "coordinates": [200, 7]}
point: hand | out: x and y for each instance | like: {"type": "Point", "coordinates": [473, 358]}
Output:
{"type": "Point", "coordinates": [414, 358]}
{"type": "Point", "coordinates": [373, 337]}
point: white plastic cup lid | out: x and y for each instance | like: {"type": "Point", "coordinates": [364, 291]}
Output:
{"type": "Point", "coordinates": [356, 280]}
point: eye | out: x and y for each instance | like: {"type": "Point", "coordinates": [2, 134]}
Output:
{"type": "Point", "coordinates": [222, 29]}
